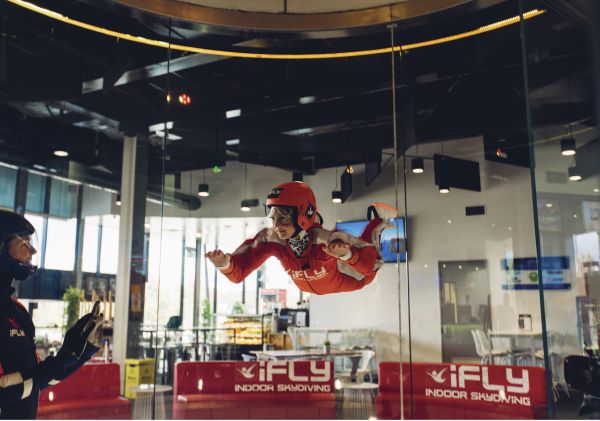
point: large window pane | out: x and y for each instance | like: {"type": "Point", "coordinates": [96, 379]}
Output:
{"type": "Point", "coordinates": [8, 181]}
{"type": "Point", "coordinates": [60, 244]}
{"type": "Point", "coordinates": [109, 249]}
{"type": "Point", "coordinates": [36, 193]}
{"type": "Point", "coordinates": [89, 255]}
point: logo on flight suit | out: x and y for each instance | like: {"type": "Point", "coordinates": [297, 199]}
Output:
{"type": "Point", "coordinates": [16, 330]}
{"type": "Point", "coordinates": [307, 275]}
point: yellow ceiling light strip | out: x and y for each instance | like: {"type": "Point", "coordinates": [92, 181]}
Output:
{"type": "Point", "coordinates": [163, 44]}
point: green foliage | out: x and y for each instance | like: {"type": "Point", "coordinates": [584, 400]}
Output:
{"type": "Point", "coordinates": [72, 297]}
{"type": "Point", "coordinates": [206, 314]}
{"type": "Point", "coordinates": [238, 308]}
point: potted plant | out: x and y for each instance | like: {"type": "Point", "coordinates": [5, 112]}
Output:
{"type": "Point", "coordinates": [326, 346]}
{"type": "Point", "coordinates": [72, 297]}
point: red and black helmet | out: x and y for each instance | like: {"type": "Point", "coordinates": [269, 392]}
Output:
{"type": "Point", "coordinates": [297, 196]}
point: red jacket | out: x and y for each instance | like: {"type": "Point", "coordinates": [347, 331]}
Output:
{"type": "Point", "coordinates": [315, 271]}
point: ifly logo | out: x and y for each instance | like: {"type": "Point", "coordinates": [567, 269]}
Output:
{"type": "Point", "coordinates": [437, 375]}
{"type": "Point", "coordinates": [247, 372]}
{"type": "Point", "coordinates": [461, 376]}
{"type": "Point", "coordinates": [318, 371]}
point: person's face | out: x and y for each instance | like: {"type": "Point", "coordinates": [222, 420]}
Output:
{"type": "Point", "coordinates": [21, 249]}
{"type": "Point", "coordinates": [282, 222]}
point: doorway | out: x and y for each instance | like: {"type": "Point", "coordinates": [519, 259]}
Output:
{"type": "Point", "coordinates": [464, 302]}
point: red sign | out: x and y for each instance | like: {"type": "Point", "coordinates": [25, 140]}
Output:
{"type": "Point", "coordinates": [314, 376]}
{"type": "Point", "coordinates": [462, 390]}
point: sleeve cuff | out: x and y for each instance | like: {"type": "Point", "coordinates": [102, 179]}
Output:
{"type": "Point", "coordinates": [226, 269]}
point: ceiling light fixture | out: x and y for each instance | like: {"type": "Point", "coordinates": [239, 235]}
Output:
{"type": "Point", "coordinates": [203, 187]}
{"type": "Point", "coordinates": [567, 146]}
{"type": "Point", "coordinates": [444, 189]}
{"type": "Point", "coordinates": [417, 165]}
{"type": "Point", "coordinates": [118, 201]}
{"type": "Point", "coordinates": [164, 44]}
{"type": "Point", "coordinates": [233, 113]}
{"type": "Point", "coordinates": [232, 142]}
{"type": "Point", "coordinates": [574, 173]}
{"type": "Point", "coordinates": [336, 196]}
{"type": "Point", "coordinates": [61, 153]}
{"type": "Point", "coordinates": [247, 204]}
{"type": "Point", "coordinates": [203, 190]}
{"type": "Point", "coordinates": [297, 176]}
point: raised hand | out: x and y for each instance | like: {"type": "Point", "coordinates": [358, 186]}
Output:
{"type": "Point", "coordinates": [218, 258]}
{"type": "Point", "coordinates": [86, 332]}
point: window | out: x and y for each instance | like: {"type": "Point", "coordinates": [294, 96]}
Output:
{"type": "Point", "coordinates": [109, 251]}
{"type": "Point", "coordinates": [60, 244]}
{"type": "Point", "coordinates": [89, 255]}
{"type": "Point", "coordinates": [8, 183]}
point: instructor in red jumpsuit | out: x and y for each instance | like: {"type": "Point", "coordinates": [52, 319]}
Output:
{"type": "Point", "coordinates": [319, 261]}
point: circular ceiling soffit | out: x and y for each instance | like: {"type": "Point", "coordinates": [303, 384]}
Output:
{"type": "Point", "coordinates": [292, 15]}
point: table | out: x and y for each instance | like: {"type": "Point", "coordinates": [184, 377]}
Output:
{"type": "Point", "coordinates": [297, 354]}
{"type": "Point", "coordinates": [145, 393]}
{"type": "Point", "coordinates": [513, 335]}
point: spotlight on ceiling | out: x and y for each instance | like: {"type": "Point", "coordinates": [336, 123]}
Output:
{"type": "Point", "coordinates": [444, 188]}
{"type": "Point", "coordinates": [203, 190]}
{"type": "Point", "coordinates": [247, 204]}
{"type": "Point", "coordinates": [417, 165]}
{"type": "Point", "coordinates": [297, 176]}
{"type": "Point", "coordinates": [574, 174]}
{"type": "Point", "coordinates": [336, 196]}
{"type": "Point", "coordinates": [61, 153]}
{"type": "Point", "coordinates": [118, 201]}
{"type": "Point", "coordinates": [567, 146]}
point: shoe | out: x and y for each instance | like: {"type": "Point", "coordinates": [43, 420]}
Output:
{"type": "Point", "coordinates": [381, 210]}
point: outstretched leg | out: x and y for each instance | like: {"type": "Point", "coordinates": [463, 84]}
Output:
{"type": "Point", "coordinates": [377, 214]}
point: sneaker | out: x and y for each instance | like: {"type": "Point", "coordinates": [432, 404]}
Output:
{"type": "Point", "coordinates": [381, 210]}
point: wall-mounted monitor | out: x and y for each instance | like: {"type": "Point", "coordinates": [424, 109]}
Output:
{"type": "Point", "coordinates": [393, 240]}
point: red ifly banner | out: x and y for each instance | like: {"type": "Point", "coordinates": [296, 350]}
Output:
{"type": "Point", "coordinates": [314, 376]}
{"type": "Point", "coordinates": [461, 391]}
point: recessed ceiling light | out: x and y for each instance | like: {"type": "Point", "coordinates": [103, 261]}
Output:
{"type": "Point", "coordinates": [233, 113]}
{"type": "Point", "coordinates": [548, 205]}
{"type": "Point", "coordinates": [231, 142]}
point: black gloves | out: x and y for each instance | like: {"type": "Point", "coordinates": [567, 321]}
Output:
{"type": "Point", "coordinates": [83, 339]}
{"type": "Point", "coordinates": [81, 342]}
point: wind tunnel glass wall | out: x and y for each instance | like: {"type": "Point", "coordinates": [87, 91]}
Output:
{"type": "Point", "coordinates": [563, 96]}
{"type": "Point", "coordinates": [122, 220]}
{"type": "Point", "coordinates": [470, 306]}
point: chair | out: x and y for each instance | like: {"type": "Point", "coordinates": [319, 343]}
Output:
{"type": "Point", "coordinates": [364, 367]}
{"type": "Point", "coordinates": [485, 351]}
{"type": "Point", "coordinates": [555, 344]}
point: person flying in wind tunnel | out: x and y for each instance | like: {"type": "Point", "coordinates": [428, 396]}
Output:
{"type": "Point", "coordinates": [22, 375]}
{"type": "Point", "coordinates": [319, 261]}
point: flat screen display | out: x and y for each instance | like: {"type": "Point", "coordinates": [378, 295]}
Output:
{"type": "Point", "coordinates": [391, 243]}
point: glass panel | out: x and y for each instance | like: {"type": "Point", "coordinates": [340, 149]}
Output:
{"type": "Point", "coordinates": [60, 244]}
{"type": "Point", "coordinates": [109, 248]}
{"type": "Point", "coordinates": [89, 255]}
{"type": "Point", "coordinates": [62, 195]}
{"type": "Point", "coordinates": [471, 312]}
{"type": "Point", "coordinates": [36, 193]}
{"type": "Point", "coordinates": [8, 177]}
{"type": "Point", "coordinates": [563, 100]}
